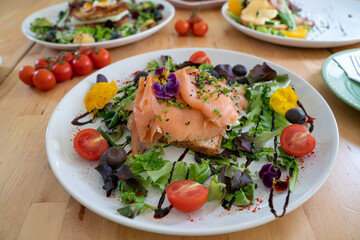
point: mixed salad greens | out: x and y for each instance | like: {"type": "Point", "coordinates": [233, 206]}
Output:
{"type": "Point", "coordinates": [273, 17]}
{"type": "Point", "coordinates": [226, 175]}
{"type": "Point", "coordinates": [142, 16]}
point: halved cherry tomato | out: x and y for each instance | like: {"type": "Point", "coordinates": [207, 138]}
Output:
{"type": "Point", "coordinates": [44, 79]}
{"type": "Point", "coordinates": [182, 27]}
{"type": "Point", "coordinates": [186, 195]}
{"type": "Point", "coordinates": [100, 57]}
{"type": "Point", "coordinates": [200, 29]}
{"type": "Point", "coordinates": [199, 57]}
{"type": "Point", "coordinates": [26, 74]}
{"type": "Point", "coordinates": [84, 51]}
{"type": "Point", "coordinates": [297, 141]}
{"type": "Point", "coordinates": [89, 144]}
{"type": "Point", "coordinates": [42, 63]}
{"type": "Point", "coordinates": [62, 71]}
{"type": "Point", "coordinates": [82, 64]}
{"type": "Point", "coordinates": [194, 18]}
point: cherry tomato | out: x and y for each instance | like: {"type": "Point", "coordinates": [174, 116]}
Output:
{"type": "Point", "coordinates": [182, 27]}
{"type": "Point", "coordinates": [65, 56]}
{"type": "Point", "coordinates": [200, 29]}
{"type": "Point", "coordinates": [199, 57]}
{"type": "Point", "coordinates": [194, 18]}
{"type": "Point", "coordinates": [100, 57]}
{"type": "Point", "coordinates": [82, 64]}
{"type": "Point", "coordinates": [89, 144]}
{"type": "Point", "coordinates": [44, 79]}
{"type": "Point", "coordinates": [26, 74]}
{"type": "Point", "coordinates": [296, 140]}
{"type": "Point", "coordinates": [62, 71]}
{"type": "Point", "coordinates": [186, 195]}
{"type": "Point", "coordinates": [84, 51]}
{"type": "Point", "coordinates": [42, 63]}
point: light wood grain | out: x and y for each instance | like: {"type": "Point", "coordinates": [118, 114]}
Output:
{"type": "Point", "coordinates": [33, 204]}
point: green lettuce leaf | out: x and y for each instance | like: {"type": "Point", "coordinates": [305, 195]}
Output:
{"type": "Point", "coordinates": [150, 161]}
{"type": "Point", "coordinates": [216, 190]}
{"type": "Point", "coordinates": [199, 173]}
{"type": "Point", "coordinates": [132, 197]}
{"type": "Point", "coordinates": [134, 209]}
{"type": "Point", "coordinates": [243, 196]}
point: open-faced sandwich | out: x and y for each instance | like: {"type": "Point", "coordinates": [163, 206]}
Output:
{"type": "Point", "coordinates": [99, 12]}
{"type": "Point", "coordinates": [90, 21]}
{"type": "Point", "coordinates": [225, 116]}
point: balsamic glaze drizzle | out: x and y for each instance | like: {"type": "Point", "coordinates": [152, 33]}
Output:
{"type": "Point", "coordinates": [271, 204]}
{"type": "Point", "coordinates": [309, 118]}
{"type": "Point", "coordinates": [162, 212]}
{"type": "Point", "coordinates": [76, 121]}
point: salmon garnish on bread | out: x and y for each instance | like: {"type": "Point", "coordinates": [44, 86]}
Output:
{"type": "Point", "coordinates": [200, 125]}
{"type": "Point", "coordinates": [90, 12]}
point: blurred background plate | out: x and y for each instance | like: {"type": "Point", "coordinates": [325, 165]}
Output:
{"type": "Point", "coordinates": [51, 13]}
{"type": "Point", "coordinates": [336, 24]}
{"type": "Point", "coordinates": [204, 4]}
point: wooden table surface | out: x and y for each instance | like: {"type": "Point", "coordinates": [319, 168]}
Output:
{"type": "Point", "coordinates": [33, 204]}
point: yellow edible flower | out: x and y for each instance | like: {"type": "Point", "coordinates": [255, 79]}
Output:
{"type": "Point", "coordinates": [99, 95]}
{"type": "Point", "coordinates": [235, 7]}
{"type": "Point", "coordinates": [300, 32]}
{"type": "Point", "coordinates": [283, 99]}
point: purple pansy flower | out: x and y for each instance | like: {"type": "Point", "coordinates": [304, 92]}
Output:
{"type": "Point", "coordinates": [267, 174]}
{"type": "Point", "coordinates": [166, 85]}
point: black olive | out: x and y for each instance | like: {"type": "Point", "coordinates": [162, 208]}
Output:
{"type": "Point", "coordinates": [158, 16]}
{"type": "Point", "coordinates": [61, 14]}
{"type": "Point", "coordinates": [115, 35]}
{"type": "Point", "coordinates": [139, 75]}
{"type": "Point", "coordinates": [114, 157]}
{"type": "Point", "coordinates": [296, 116]}
{"type": "Point", "coordinates": [242, 80]}
{"type": "Point", "coordinates": [160, 7]}
{"type": "Point", "coordinates": [101, 78]}
{"type": "Point", "coordinates": [239, 70]}
{"type": "Point", "coordinates": [109, 24]}
{"type": "Point", "coordinates": [213, 73]}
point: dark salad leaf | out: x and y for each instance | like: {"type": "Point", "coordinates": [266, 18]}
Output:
{"type": "Point", "coordinates": [243, 144]}
{"type": "Point", "coordinates": [130, 181]}
{"type": "Point", "coordinates": [134, 209]}
{"type": "Point", "coordinates": [261, 73]}
{"type": "Point", "coordinates": [108, 176]}
{"type": "Point", "coordinates": [225, 71]}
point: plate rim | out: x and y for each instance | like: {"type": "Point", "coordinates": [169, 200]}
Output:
{"type": "Point", "coordinates": [25, 26]}
{"type": "Point", "coordinates": [191, 232]}
{"type": "Point", "coordinates": [326, 80]}
{"type": "Point", "coordinates": [290, 42]}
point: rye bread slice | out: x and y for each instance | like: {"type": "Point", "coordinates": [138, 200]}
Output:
{"type": "Point", "coordinates": [208, 147]}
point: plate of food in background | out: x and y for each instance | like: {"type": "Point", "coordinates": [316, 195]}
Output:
{"type": "Point", "coordinates": [318, 24]}
{"type": "Point", "coordinates": [95, 23]}
{"type": "Point", "coordinates": [196, 4]}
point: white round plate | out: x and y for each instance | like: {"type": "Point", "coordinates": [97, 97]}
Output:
{"type": "Point", "coordinates": [336, 24]}
{"type": "Point", "coordinates": [51, 13]}
{"type": "Point", "coordinates": [83, 182]}
{"type": "Point", "coordinates": [204, 4]}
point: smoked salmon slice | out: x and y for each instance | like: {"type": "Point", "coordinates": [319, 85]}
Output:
{"type": "Point", "coordinates": [191, 119]}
